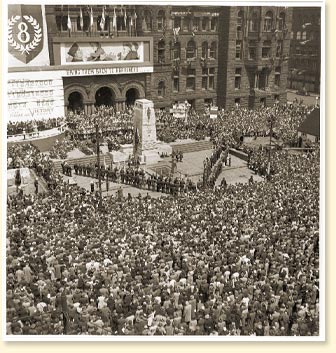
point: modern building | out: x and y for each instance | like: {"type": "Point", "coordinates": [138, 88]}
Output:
{"type": "Point", "coordinates": [305, 50]}
{"type": "Point", "coordinates": [112, 55]}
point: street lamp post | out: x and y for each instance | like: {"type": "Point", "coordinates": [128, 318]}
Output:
{"type": "Point", "coordinates": [99, 171]}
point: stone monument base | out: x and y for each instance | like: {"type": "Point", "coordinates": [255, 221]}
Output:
{"type": "Point", "coordinates": [163, 148]}
{"type": "Point", "coordinates": [149, 157]}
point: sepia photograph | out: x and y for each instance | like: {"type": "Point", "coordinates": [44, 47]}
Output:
{"type": "Point", "coordinates": [165, 171]}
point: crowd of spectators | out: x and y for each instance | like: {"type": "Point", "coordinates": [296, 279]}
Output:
{"type": "Point", "coordinates": [26, 127]}
{"type": "Point", "coordinates": [243, 260]}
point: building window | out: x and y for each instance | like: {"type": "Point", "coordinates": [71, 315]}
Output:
{"type": "Point", "coordinates": [204, 82]}
{"type": "Point", "coordinates": [268, 23]}
{"type": "Point", "coordinates": [86, 23]}
{"type": "Point", "coordinates": [304, 35]}
{"type": "Point", "coordinates": [176, 50]}
{"type": "Point", "coordinates": [205, 23]}
{"type": "Point", "coordinates": [191, 75]}
{"type": "Point", "coordinates": [177, 22]}
{"type": "Point", "coordinates": [298, 35]}
{"type": "Point", "coordinates": [292, 35]}
{"type": "Point", "coordinates": [161, 51]}
{"type": "Point", "coordinates": [106, 24]}
{"type": "Point", "coordinates": [252, 50]}
{"type": "Point", "coordinates": [282, 21]}
{"type": "Point", "coordinates": [240, 17]}
{"type": "Point", "coordinates": [276, 98]}
{"type": "Point", "coordinates": [161, 20]}
{"type": "Point", "coordinates": [204, 49]}
{"type": "Point", "coordinates": [208, 78]}
{"type": "Point", "coordinates": [213, 24]}
{"type": "Point", "coordinates": [266, 49]}
{"type": "Point", "coordinates": [191, 50]}
{"type": "Point", "coordinates": [237, 101]}
{"type": "Point", "coordinates": [196, 23]}
{"type": "Point", "coordinates": [277, 76]}
{"type": "Point", "coordinates": [161, 89]}
{"type": "Point", "coordinates": [238, 49]}
{"type": "Point", "coordinates": [147, 21]}
{"type": "Point", "coordinates": [238, 77]}
{"type": "Point", "coordinates": [187, 24]}
{"type": "Point", "coordinates": [211, 78]}
{"type": "Point", "coordinates": [213, 50]}
{"type": "Point", "coordinates": [254, 23]}
{"type": "Point", "coordinates": [176, 82]}
{"type": "Point", "coordinates": [64, 26]}
{"type": "Point", "coordinates": [279, 49]}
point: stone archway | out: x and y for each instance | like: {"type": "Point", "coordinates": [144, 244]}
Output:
{"type": "Point", "coordinates": [75, 102]}
{"type": "Point", "coordinates": [133, 90]}
{"type": "Point", "coordinates": [131, 96]}
{"type": "Point", "coordinates": [104, 96]}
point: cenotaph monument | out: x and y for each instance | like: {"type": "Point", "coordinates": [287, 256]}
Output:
{"type": "Point", "coordinates": [145, 145]}
{"type": "Point", "coordinates": [144, 140]}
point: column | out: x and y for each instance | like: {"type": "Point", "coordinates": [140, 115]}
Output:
{"type": "Point", "coordinates": [85, 108]}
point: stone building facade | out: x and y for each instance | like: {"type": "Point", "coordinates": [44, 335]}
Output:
{"type": "Point", "coordinates": [305, 50]}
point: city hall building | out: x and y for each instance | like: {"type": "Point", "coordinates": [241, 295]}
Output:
{"type": "Point", "coordinates": [70, 58]}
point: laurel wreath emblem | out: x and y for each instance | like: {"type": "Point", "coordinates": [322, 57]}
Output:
{"type": "Point", "coordinates": [37, 34]}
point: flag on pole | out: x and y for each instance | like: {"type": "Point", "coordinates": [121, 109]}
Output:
{"type": "Point", "coordinates": [135, 18]}
{"type": "Point", "coordinates": [81, 21]}
{"type": "Point", "coordinates": [91, 18]}
{"type": "Point", "coordinates": [114, 21]}
{"type": "Point", "coordinates": [102, 21]}
{"type": "Point", "coordinates": [125, 18]}
{"type": "Point", "coordinates": [69, 22]}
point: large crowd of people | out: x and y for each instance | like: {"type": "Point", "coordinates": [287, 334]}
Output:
{"type": "Point", "coordinates": [26, 127]}
{"type": "Point", "coordinates": [240, 259]}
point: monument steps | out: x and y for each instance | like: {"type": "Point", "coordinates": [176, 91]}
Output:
{"type": "Point", "coordinates": [192, 146]}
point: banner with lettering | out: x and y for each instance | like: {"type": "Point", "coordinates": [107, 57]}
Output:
{"type": "Point", "coordinates": [27, 36]}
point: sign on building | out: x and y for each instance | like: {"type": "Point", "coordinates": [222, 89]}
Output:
{"type": "Point", "coordinates": [35, 95]}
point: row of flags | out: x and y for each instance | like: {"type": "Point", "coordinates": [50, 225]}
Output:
{"type": "Point", "coordinates": [103, 19]}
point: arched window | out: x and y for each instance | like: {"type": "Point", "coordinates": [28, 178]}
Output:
{"type": "Point", "coordinates": [161, 89]}
{"type": "Point", "coordinates": [213, 50]}
{"type": "Point", "coordinates": [161, 20]}
{"type": "Point", "coordinates": [161, 51]}
{"type": "Point", "coordinates": [254, 22]}
{"type": "Point", "coordinates": [147, 21]}
{"type": "Point", "coordinates": [240, 17]}
{"type": "Point", "coordinates": [282, 21]}
{"type": "Point", "coordinates": [268, 23]}
{"type": "Point", "coordinates": [191, 49]}
{"type": "Point", "coordinates": [176, 50]}
{"type": "Point", "coordinates": [204, 49]}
